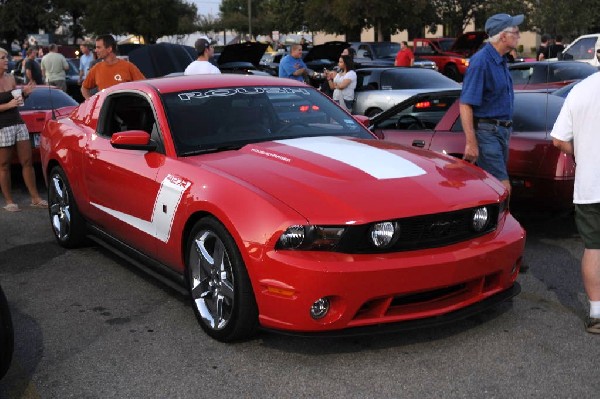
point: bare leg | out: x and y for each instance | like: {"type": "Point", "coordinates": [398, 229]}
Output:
{"type": "Point", "coordinates": [5, 158]}
{"type": "Point", "coordinates": [24, 155]}
{"type": "Point", "coordinates": [590, 269]}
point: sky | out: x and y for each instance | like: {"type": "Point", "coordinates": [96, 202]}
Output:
{"type": "Point", "coordinates": [206, 7]}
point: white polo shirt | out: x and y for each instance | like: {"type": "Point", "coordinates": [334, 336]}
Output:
{"type": "Point", "coordinates": [579, 121]}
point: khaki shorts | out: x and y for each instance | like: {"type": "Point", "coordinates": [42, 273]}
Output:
{"type": "Point", "coordinates": [11, 134]}
{"type": "Point", "coordinates": [587, 219]}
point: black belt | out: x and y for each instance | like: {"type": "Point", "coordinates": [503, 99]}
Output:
{"type": "Point", "coordinates": [497, 122]}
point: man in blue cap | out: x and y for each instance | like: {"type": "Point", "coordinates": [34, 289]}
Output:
{"type": "Point", "coordinates": [486, 102]}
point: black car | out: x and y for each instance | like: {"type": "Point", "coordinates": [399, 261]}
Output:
{"type": "Point", "coordinates": [540, 75]}
{"type": "Point", "coordinates": [6, 335]}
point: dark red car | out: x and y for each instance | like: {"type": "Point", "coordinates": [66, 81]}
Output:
{"type": "Point", "coordinates": [541, 176]}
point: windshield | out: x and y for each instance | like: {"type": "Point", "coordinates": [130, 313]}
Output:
{"type": "Point", "coordinates": [211, 119]}
{"type": "Point", "coordinates": [386, 50]}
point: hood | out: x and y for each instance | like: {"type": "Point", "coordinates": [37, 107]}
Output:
{"type": "Point", "coordinates": [327, 51]}
{"type": "Point", "coordinates": [156, 60]}
{"type": "Point", "coordinates": [468, 43]}
{"type": "Point", "coordinates": [337, 180]}
{"type": "Point", "coordinates": [243, 52]}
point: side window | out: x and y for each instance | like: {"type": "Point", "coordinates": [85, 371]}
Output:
{"type": "Point", "coordinates": [122, 112]}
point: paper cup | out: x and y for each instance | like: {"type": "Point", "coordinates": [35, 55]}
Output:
{"type": "Point", "coordinates": [18, 94]}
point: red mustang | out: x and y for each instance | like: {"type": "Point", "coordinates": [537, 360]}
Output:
{"type": "Point", "coordinates": [277, 209]}
{"type": "Point", "coordinates": [541, 176]}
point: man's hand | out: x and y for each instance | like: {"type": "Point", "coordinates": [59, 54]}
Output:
{"type": "Point", "coordinates": [471, 152]}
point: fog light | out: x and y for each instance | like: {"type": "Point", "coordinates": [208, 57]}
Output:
{"type": "Point", "coordinates": [319, 309]}
{"type": "Point", "coordinates": [292, 237]}
{"type": "Point", "coordinates": [383, 234]}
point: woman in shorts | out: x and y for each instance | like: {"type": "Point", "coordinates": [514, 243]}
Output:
{"type": "Point", "coordinates": [14, 134]}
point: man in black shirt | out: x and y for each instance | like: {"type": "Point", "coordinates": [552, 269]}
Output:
{"type": "Point", "coordinates": [33, 70]}
{"type": "Point", "coordinates": [555, 50]}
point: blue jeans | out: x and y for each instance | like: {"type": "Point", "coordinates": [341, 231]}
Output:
{"type": "Point", "coordinates": [493, 149]}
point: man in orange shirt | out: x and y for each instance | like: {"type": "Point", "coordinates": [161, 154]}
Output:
{"type": "Point", "coordinates": [111, 70]}
{"type": "Point", "coordinates": [404, 57]}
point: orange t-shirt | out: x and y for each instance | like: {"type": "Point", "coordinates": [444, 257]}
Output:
{"type": "Point", "coordinates": [103, 75]}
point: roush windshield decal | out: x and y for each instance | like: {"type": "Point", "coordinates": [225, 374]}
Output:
{"type": "Point", "coordinates": [165, 206]}
{"type": "Point", "coordinates": [376, 162]}
{"type": "Point", "coordinates": [241, 90]}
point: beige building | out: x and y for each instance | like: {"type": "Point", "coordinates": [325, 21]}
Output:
{"type": "Point", "coordinates": [529, 40]}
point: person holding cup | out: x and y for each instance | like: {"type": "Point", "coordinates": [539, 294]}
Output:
{"type": "Point", "coordinates": [14, 134]}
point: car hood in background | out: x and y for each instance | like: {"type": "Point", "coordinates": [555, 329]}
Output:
{"type": "Point", "coordinates": [468, 43]}
{"type": "Point", "coordinates": [355, 180]}
{"type": "Point", "coordinates": [242, 52]}
{"type": "Point", "coordinates": [330, 51]}
{"type": "Point", "coordinates": [155, 60]}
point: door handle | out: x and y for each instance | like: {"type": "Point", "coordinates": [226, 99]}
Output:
{"type": "Point", "coordinates": [418, 143]}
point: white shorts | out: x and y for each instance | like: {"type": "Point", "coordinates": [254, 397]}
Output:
{"type": "Point", "coordinates": [11, 134]}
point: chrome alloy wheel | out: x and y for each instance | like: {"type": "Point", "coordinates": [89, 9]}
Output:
{"type": "Point", "coordinates": [60, 208]}
{"type": "Point", "coordinates": [212, 284]}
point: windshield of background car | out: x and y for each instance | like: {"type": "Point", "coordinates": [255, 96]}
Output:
{"type": "Point", "coordinates": [46, 98]}
{"type": "Point", "coordinates": [582, 49]}
{"type": "Point", "coordinates": [409, 78]}
{"type": "Point", "coordinates": [386, 50]}
{"type": "Point", "coordinates": [211, 119]}
{"type": "Point", "coordinates": [446, 44]}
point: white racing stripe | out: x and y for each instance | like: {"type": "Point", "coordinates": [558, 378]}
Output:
{"type": "Point", "coordinates": [376, 162]}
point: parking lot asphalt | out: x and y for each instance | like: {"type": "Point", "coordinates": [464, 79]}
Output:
{"type": "Point", "coordinates": [89, 325]}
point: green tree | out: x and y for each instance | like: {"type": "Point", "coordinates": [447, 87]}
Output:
{"type": "Point", "coordinates": [18, 18]}
{"type": "Point", "coordinates": [150, 19]}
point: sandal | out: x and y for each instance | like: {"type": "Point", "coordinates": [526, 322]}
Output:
{"type": "Point", "coordinates": [592, 325]}
{"type": "Point", "coordinates": [12, 208]}
{"type": "Point", "coordinates": [40, 204]}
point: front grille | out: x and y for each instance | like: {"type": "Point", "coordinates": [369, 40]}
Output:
{"type": "Point", "coordinates": [420, 232]}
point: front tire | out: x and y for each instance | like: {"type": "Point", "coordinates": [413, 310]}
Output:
{"type": "Point", "coordinates": [67, 223]}
{"type": "Point", "coordinates": [219, 285]}
{"type": "Point", "coordinates": [451, 71]}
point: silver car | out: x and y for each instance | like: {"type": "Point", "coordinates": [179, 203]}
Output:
{"type": "Point", "coordinates": [378, 89]}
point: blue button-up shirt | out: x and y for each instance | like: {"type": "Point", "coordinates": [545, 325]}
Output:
{"type": "Point", "coordinates": [288, 65]}
{"type": "Point", "coordinates": [488, 86]}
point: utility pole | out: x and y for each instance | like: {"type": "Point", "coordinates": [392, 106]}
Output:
{"type": "Point", "coordinates": [250, 18]}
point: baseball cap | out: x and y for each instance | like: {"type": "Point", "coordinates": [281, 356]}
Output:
{"type": "Point", "coordinates": [497, 23]}
{"type": "Point", "coordinates": [201, 44]}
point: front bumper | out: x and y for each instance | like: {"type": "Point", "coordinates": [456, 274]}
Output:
{"type": "Point", "coordinates": [376, 289]}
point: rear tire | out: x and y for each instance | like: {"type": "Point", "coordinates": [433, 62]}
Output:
{"type": "Point", "coordinates": [451, 71]}
{"type": "Point", "coordinates": [67, 223]}
{"type": "Point", "coordinates": [373, 111]}
{"type": "Point", "coordinates": [218, 282]}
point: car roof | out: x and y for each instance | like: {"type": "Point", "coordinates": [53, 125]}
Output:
{"type": "Point", "coordinates": [195, 82]}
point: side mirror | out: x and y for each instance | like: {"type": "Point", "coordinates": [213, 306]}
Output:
{"type": "Point", "coordinates": [133, 140]}
{"type": "Point", "coordinates": [363, 120]}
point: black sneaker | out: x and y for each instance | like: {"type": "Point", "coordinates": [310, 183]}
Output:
{"type": "Point", "coordinates": [592, 325]}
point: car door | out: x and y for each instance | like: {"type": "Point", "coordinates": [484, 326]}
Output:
{"type": "Point", "coordinates": [122, 183]}
{"type": "Point", "coordinates": [417, 121]}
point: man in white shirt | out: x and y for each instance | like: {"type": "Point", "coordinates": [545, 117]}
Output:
{"type": "Point", "coordinates": [202, 65]}
{"type": "Point", "coordinates": [576, 132]}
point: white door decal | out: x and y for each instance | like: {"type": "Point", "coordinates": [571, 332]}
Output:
{"type": "Point", "coordinates": [165, 206]}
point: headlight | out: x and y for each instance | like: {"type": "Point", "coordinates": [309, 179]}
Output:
{"type": "Point", "coordinates": [480, 219]}
{"type": "Point", "coordinates": [313, 238]}
{"type": "Point", "coordinates": [292, 237]}
{"type": "Point", "coordinates": [384, 234]}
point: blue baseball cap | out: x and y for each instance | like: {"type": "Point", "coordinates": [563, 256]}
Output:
{"type": "Point", "coordinates": [497, 23]}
